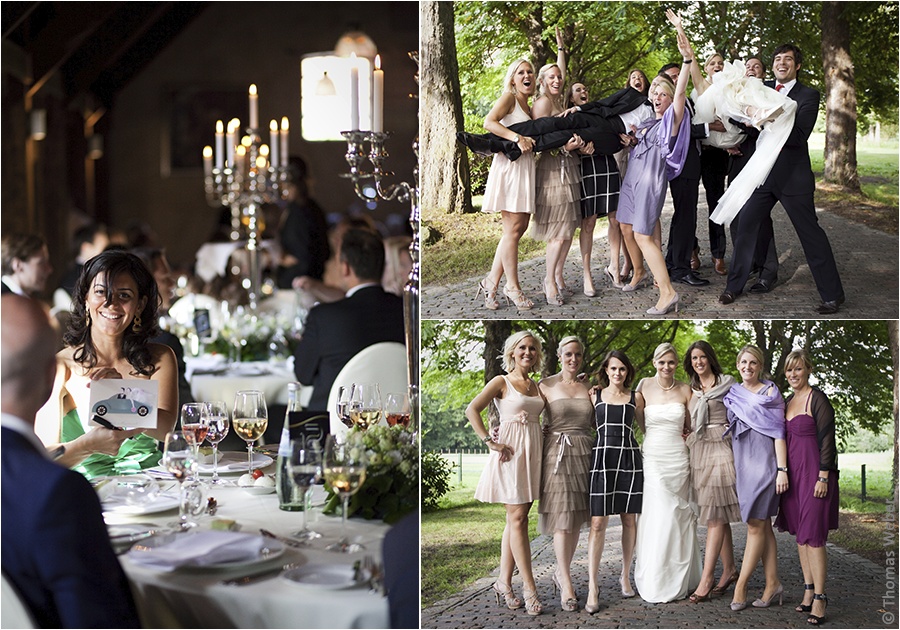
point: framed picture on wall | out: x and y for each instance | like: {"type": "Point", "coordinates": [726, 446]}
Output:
{"type": "Point", "coordinates": [190, 113]}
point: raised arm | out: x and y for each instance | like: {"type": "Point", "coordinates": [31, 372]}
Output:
{"type": "Point", "coordinates": [560, 54]}
{"type": "Point", "coordinates": [696, 75]}
{"type": "Point", "coordinates": [681, 87]}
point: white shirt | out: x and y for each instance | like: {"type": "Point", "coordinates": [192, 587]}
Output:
{"type": "Point", "coordinates": [636, 116]}
{"type": "Point", "coordinates": [15, 423]}
{"type": "Point", "coordinates": [364, 285]}
{"type": "Point", "coordinates": [787, 86]}
{"type": "Point", "coordinates": [13, 285]}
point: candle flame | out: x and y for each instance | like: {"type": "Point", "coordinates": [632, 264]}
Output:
{"type": "Point", "coordinates": [252, 89]}
{"type": "Point", "coordinates": [378, 62]}
{"type": "Point", "coordinates": [260, 162]}
{"type": "Point", "coordinates": [233, 125]}
{"type": "Point", "coordinates": [273, 126]}
{"type": "Point", "coordinates": [207, 151]}
{"type": "Point", "coordinates": [284, 123]}
{"type": "Point", "coordinates": [219, 127]}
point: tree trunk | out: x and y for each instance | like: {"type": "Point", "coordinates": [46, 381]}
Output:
{"type": "Point", "coordinates": [445, 166]}
{"type": "Point", "coordinates": [840, 98]}
{"type": "Point", "coordinates": [895, 352]}
{"type": "Point", "coordinates": [495, 334]}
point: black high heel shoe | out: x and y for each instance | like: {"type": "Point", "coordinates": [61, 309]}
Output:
{"type": "Point", "coordinates": [815, 620]}
{"type": "Point", "coordinates": [801, 607]}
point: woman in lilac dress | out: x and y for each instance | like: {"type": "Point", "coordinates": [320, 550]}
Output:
{"type": "Point", "coordinates": [810, 506]}
{"type": "Point", "coordinates": [660, 148]}
{"type": "Point", "coordinates": [756, 419]}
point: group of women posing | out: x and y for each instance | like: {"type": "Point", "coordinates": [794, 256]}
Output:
{"type": "Point", "coordinates": [728, 451]}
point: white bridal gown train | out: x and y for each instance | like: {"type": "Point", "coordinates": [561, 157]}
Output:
{"type": "Point", "coordinates": [668, 553]}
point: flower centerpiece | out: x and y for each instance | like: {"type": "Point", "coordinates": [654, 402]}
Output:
{"type": "Point", "coordinates": [391, 488]}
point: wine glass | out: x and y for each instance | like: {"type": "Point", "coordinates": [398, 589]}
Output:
{"type": "Point", "coordinates": [180, 460]}
{"type": "Point", "coordinates": [342, 406]}
{"type": "Point", "coordinates": [305, 468]}
{"type": "Point", "coordinates": [218, 429]}
{"type": "Point", "coordinates": [396, 409]}
{"type": "Point", "coordinates": [194, 426]}
{"type": "Point", "coordinates": [365, 405]}
{"type": "Point", "coordinates": [344, 468]}
{"type": "Point", "coordinates": [249, 419]}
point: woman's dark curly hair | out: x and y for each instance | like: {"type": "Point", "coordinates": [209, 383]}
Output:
{"type": "Point", "coordinates": [603, 377]}
{"type": "Point", "coordinates": [711, 357]}
{"type": "Point", "coordinates": [110, 264]}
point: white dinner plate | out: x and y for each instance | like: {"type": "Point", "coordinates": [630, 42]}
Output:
{"type": "Point", "coordinates": [267, 549]}
{"type": "Point", "coordinates": [328, 577]}
{"type": "Point", "coordinates": [230, 463]}
{"type": "Point", "coordinates": [161, 503]}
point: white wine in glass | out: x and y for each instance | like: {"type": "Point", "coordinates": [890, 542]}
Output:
{"type": "Point", "coordinates": [250, 419]}
{"type": "Point", "coordinates": [365, 405]}
{"type": "Point", "coordinates": [344, 469]}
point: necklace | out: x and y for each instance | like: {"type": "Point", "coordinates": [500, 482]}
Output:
{"type": "Point", "coordinates": [704, 386]}
{"type": "Point", "coordinates": [567, 381]}
{"type": "Point", "coordinates": [662, 387]}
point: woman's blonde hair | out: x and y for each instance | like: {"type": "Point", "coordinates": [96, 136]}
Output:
{"type": "Point", "coordinates": [557, 99]}
{"type": "Point", "coordinates": [798, 357]}
{"type": "Point", "coordinates": [664, 83]}
{"type": "Point", "coordinates": [566, 341]}
{"type": "Point", "coordinates": [752, 350]}
{"type": "Point", "coordinates": [508, 86]}
{"type": "Point", "coordinates": [664, 349]}
{"type": "Point", "coordinates": [509, 346]}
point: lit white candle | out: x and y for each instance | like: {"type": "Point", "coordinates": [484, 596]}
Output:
{"type": "Point", "coordinates": [273, 142]}
{"type": "Point", "coordinates": [233, 124]}
{"type": "Point", "coordinates": [354, 94]}
{"type": "Point", "coordinates": [254, 107]}
{"type": "Point", "coordinates": [207, 160]}
{"type": "Point", "coordinates": [378, 100]}
{"type": "Point", "coordinates": [285, 127]}
{"type": "Point", "coordinates": [220, 145]}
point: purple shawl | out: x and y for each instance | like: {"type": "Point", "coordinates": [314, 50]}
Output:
{"type": "Point", "coordinates": [677, 151]}
{"type": "Point", "coordinates": [760, 412]}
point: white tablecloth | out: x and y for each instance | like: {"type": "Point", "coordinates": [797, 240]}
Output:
{"type": "Point", "coordinates": [223, 383]}
{"type": "Point", "coordinates": [196, 598]}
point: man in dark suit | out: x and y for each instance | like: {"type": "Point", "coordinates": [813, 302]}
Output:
{"type": "Point", "coordinates": [26, 264]}
{"type": "Point", "coordinates": [337, 331]}
{"type": "Point", "coordinates": [55, 547]}
{"type": "Point", "coordinates": [792, 183]}
{"type": "Point", "coordinates": [685, 191]}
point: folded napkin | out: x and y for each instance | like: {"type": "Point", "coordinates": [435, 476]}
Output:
{"type": "Point", "coordinates": [200, 549]}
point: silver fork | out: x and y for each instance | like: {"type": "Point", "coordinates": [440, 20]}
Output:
{"type": "Point", "coordinates": [264, 575]}
{"type": "Point", "coordinates": [290, 542]}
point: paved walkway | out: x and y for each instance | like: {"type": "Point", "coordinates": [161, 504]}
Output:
{"type": "Point", "coordinates": [856, 588]}
{"type": "Point", "coordinates": [867, 261]}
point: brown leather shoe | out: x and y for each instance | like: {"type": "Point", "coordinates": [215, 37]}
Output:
{"type": "Point", "coordinates": [719, 264]}
{"type": "Point", "coordinates": [695, 259]}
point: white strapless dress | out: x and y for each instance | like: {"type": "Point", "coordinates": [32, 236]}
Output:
{"type": "Point", "coordinates": [746, 99]}
{"type": "Point", "coordinates": [668, 553]}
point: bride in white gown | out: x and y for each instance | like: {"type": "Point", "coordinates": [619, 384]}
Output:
{"type": "Point", "coordinates": [668, 553]}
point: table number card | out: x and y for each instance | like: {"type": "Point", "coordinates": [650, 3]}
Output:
{"type": "Point", "coordinates": [127, 403]}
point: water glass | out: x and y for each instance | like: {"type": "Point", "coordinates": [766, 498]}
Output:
{"type": "Point", "coordinates": [218, 429]}
{"type": "Point", "coordinates": [305, 468]}
{"type": "Point", "coordinates": [180, 460]}
{"type": "Point", "coordinates": [194, 426]}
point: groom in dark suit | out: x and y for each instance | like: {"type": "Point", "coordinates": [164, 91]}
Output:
{"type": "Point", "coordinates": [55, 547]}
{"type": "Point", "coordinates": [792, 183]}
{"type": "Point", "coordinates": [368, 314]}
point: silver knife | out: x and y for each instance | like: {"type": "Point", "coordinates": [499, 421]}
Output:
{"type": "Point", "coordinates": [259, 577]}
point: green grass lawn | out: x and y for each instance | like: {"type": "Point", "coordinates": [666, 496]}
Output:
{"type": "Point", "coordinates": [877, 165]}
{"type": "Point", "coordinates": [461, 541]}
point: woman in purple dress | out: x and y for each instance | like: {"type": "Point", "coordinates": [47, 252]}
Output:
{"type": "Point", "coordinates": [660, 148]}
{"type": "Point", "coordinates": [756, 419]}
{"type": "Point", "coordinates": [810, 506]}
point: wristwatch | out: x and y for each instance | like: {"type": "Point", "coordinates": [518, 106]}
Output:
{"type": "Point", "coordinates": [487, 438]}
{"type": "Point", "coordinates": [687, 61]}
{"type": "Point", "coordinates": [782, 469]}
{"type": "Point", "coordinates": [516, 139]}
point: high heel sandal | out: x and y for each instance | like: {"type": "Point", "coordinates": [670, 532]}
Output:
{"type": "Point", "coordinates": [801, 607]}
{"type": "Point", "coordinates": [533, 606]}
{"type": "Point", "coordinates": [628, 288]}
{"type": "Point", "coordinates": [490, 295]}
{"type": "Point", "coordinates": [765, 603]}
{"type": "Point", "coordinates": [564, 290]}
{"type": "Point", "coordinates": [616, 282]}
{"type": "Point", "coordinates": [668, 307]}
{"type": "Point", "coordinates": [695, 598]}
{"type": "Point", "coordinates": [553, 300]}
{"type": "Point", "coordinates": [816, 620]}
{"type": "Point", "coordinates": [720, 590]}
{"type": "Point", "coordinates": [518, 298]}
{"type": "Point", "coordinates": [626, 594]}
{"type": "Point", "coordinates": [570, 604]}
{"type": "Point", "coordinates": [512, 602]}
{"type": "Point", "coordinates": [593, 608]}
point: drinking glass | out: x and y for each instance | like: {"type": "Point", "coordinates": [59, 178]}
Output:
{"type": "Point", "coordinates": [180, 460]}
{"type": "Point", "coordinates": [342, 406]}
{"type": "Point", "coordinates": [365, 405]}
{"type": "Point", "coordinates": [194, 426]}
{"type": "Point", "coordinates": [396, 409]}
{"type": "Point", "coordinates": [305, 469]}
{"type": "Point", "coordinates": [344, 467]}
{"type": "Point", "coordinates": [218, 429]}
{"type": "Point", "coordinates": [249, 419]}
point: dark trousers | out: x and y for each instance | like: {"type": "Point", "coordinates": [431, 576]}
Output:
{"type": "Point", "coordinates": [552, 132]}
{"type": "Point", "coordinates": [765, 256]}
{"type": "Point", "coordinates": [685, 194]}
{"type": "Point", "coordinates": [816, 247]}
{"type": "Point", "coordinates": [713, 169]}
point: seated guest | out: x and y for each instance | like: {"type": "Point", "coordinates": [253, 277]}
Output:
{"type": "Point", "coordinates": [55, 546]}
{"type": "Point", "coordinates": [304, 231]}
{"type": "Point", "coordinates": [113, 319]}
{"type": "Point", "coordinates": [367, 315]}
{"type": "Point", "coordinates": [26, 264]}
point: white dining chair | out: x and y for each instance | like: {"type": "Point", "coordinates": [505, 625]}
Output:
{"type": "Point", "coordinates": [383, 363]}
{"type": "Point", "coordinates": [13, 612]}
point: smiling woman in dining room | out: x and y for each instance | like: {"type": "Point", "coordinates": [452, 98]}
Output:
{"type": "Point", "coordinates": [114, 314]}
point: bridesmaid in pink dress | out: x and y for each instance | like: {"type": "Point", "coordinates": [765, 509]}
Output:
{"type": "Point", "coordinates": [512, 475]}
{"type": "Point", "coordinates": [809, 508]}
